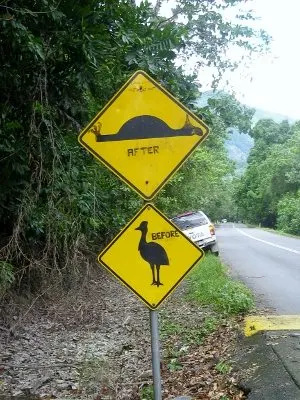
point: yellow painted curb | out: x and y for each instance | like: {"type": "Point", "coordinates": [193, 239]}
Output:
{"type": "Point", "coordinates": [256, 323]}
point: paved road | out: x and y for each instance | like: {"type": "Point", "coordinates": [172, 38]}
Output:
{"type": "Point", "coordinates": [267, 262]}
{"type": "Point", "coordinates": [270, 265]}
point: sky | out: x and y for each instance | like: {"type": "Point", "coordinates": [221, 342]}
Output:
{"type": "Point", "coordinates": [272, 81]}
{"type": "Point", "coordinates": [275, 84]}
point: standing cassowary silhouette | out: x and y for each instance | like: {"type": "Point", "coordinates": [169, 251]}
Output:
{"type": "Point", "coordinates": [152, 252]}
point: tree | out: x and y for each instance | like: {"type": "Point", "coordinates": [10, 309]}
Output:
{"type": "Point", "coordinates": [62, 62]}
{"type": "Point", "coordinates": [289, 213]}
{"type": "Point", "coordinates": [266, 133]}
{"type": "Point", "coordinates": [206, 180]}
{"type": "Point", "coordinates": [272, 174]}
{"type": "Point", "coordinates": [209, 34]}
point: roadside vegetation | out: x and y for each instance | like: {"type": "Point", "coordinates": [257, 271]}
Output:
{"type": "Point", "coordinates": [199, 331]}
{"type": "Point", "coordinates": [220, 299]}
{"type": "Point", "coordinates": [280, 232]}
{"type": "Point", "coordinates": [62, 62]}
{"type": "Point", "coordinates": [211, 285]}
{"type": "Point", "coordinates": [269, 191]}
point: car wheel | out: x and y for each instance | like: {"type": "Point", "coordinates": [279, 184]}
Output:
{"type": "Point", "coordinates": [214, 250]}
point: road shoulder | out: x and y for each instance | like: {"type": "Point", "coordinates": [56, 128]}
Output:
{"type": "Point", "coordinates": [263, 358]}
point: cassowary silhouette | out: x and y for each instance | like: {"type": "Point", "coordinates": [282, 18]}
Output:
{"type": "Point", "coordinates": [146, 127]}
{"type": "Point", "coordinates": [152, 252]}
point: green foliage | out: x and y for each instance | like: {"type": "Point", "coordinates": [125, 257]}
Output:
{"type": "Point", "coordinates": [210, 284]}
{"type": "Point", "coordinates": [272, 178]}
{"type": "Point", "coordinates": [189, 335]}
{"type": "Point", "coordinates": [93, 372]}
{"type": "Point", "coordinates": [209, 33]}
{"type": "Point", "coordinates": [205, 181]}
{"type": "Point", "coordinates": [223, 367]}
{"type": "Point", "coordinates": [233, 113]}
{"type": "Point", "coordinates": [62, 61]}
{"type": "Point", "coordinates": [178, 336]}
{"type": "Point", "coordinates": [174, 363]}
{"type": "Point", "coordinates": [147, 392]}
{"type": "Point", "coordinates": [289, 214]}
{"type": "Point", "coordinates": [267, 133]}
{"type": "Point", "coordinates": [6, 275]}
{"type": "Point", "coordinates": [198, 185]}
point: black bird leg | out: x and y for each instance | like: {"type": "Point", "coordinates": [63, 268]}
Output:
{"type": "Point", "coordinates": [153, 275]}
{"type": "Point", "coordinates": [158, 283]}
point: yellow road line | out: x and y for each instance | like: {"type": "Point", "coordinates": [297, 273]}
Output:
{"type": "Point", "coordinates": [256, 323]}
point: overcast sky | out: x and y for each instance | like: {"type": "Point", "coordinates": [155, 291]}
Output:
{"type": "Point", "coordinates": [275, 83]}
{"type": "Point", "coordinates": [276, 77]}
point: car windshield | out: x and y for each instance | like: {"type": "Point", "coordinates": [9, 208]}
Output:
{"type": "Point", "coordinates": [189, 221]}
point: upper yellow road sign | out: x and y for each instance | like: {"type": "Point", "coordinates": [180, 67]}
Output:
{"type": "Point", "coordinates": [150, 256]}
{"type": "Point", "coordinates": [143, 134]}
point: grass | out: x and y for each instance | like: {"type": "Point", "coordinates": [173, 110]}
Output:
{"type": "Point", "coordinates": [210, 284]}
{"type": "Point", "coordinates": [280, 232]}
{"type": "Point", "coordinates": [179, 336]}
{"type": "Point", "coordinates": [274, 230]}
{"type": "Point", "coordinates": [189, 334]}
{"type": "Point", "coordinates": [93, 373]}
{"type": "Point", "coordinates": [147, 393]}
{"type": "Point", "coordinates": [223, 367]}
{"type": "Point", "coordinates": [187, 326]}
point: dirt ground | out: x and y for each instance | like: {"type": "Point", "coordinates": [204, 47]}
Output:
{"type": "Point", "coordinates": [94, 343]}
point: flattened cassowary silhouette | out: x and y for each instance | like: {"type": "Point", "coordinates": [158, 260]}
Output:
{"type": "Point", "coordinates": [152, 252]}
{"type": "Point", "coordinates": [146, 127]}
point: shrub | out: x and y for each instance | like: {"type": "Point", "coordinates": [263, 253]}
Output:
{"type": "Point", "coordinates": [6, 275]}
{"type": "Point", "coordinates": [289, 214]}
{"type": "Point", "coordinates": [210, 284]}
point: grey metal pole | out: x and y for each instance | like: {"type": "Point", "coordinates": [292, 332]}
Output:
{"type": "Point", "coordinates": [155, 355]}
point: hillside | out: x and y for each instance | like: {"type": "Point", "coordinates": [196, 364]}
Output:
{"type": "Point", "coordinates": [263, 114]}
{"type": "Point", "coordinates": [239, 144]}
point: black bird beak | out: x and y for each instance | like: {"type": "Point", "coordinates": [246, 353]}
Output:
{"type": "Point", "coordinates": [142, 227]}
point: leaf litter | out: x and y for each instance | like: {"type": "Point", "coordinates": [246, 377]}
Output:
{"type": "Point", "coordinates": [94, 343]}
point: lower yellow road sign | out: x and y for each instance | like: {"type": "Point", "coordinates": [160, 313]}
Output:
{"type": "Point", "coordinates": [150, 256]}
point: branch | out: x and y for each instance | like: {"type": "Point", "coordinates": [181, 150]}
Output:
{"type": "Point", "coordinates": [157, 6]}
{"type": "Point", "coordinates": [170, 19]}
{"type": "Point", "coordinates": [25, 11]}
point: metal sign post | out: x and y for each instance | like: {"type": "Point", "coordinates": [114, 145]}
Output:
{"type": "Point", "coordinates": [155, 355]}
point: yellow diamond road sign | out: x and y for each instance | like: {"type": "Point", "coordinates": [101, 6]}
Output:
{"type": "Point", "coordinates": [143, 134]}
{"type": "Point", "coordinates": [150, 256]}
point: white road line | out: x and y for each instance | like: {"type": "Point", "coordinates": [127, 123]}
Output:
{"type": "Point", "coordinates": [269, 243]}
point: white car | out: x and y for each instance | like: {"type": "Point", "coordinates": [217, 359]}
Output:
{"type": "Point", "coordinates": [198, 227]}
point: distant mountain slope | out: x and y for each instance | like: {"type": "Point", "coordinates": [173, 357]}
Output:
{"type": "Point", "coordinates": [263, 114]}
{"type": "Point", "coordinates": [239, 144]}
